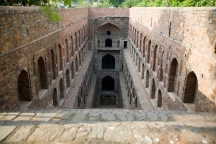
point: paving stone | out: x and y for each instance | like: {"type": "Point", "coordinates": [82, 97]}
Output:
{"type": "Point", "coordinates": [69, 132]}
{"type": "Point", "coordinates": [163, 117]}
{"type": "Point", "coordinates": [121, 117]}
{"type": "Point", "coordinates": [63, 115]}
{"type": "Point", "coordinates": [140, 116]}
{"type": "Point", "coordinates": [97, 131]}
{"type": "Point", "coordinates": [5, 131]}
{"type": "Point", "coordinates": [79, 117]}
{"type": "Point", "coordinates": [24, 117]}
{"type": "Point", "coordinates": [130, 117]}
{"type": "Point", "coordinates": [117, 133]}
{"type": "Point", "coordinates": [46, 133]}
{"type": "Point", "coordinates": [2, 115]}
{"type": "Point", "coordinates": [10, 116]}
{"type": "Point", "coordinates": [94, 116]}
{"type": "Point", "coordinates": [152, 117]}
{"type": "Point", "coordinates": [108, 116]}
{"type": "Point", "coordinates": [22, 134]}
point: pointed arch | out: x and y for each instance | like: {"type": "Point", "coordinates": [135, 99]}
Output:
{"type": "Point", "coordinates": [155, 58]}
{"type": "Point", "coordinates": [42, 74]}
{"type": "Point", "coordinates": [149, 52]}
{"type": "Point", "coordinates": [191, 88]}
{"type": "Point", "coordinates": [108, 62]}
{"type": "Point", "coordinates": [153, 89]}
{"type": "Point", "coordinates": [67, 51]}
{"type": "Point", "coordinates": [72, 70]}
{"type": "Point", "coordinates": [53, 64]}
{"type": "Point", "coordinates": [23, 85]}
{"type": "Point", "coordinates": [147, 79]}
{"type": "Point", "coordinates": [159, 99]}
{"type": "Point", "coordinates": [108, 42]}
{"type": "Point", "coordinates": [76, 64]}
{"type": "Point", "coordinates": [55, 97]}
{"type": "Point", "coordinates": [60, 57]}
{"type": "Point", "coordinates": [108, 83]}
{"type": "Point", "coordinates": [68, 78]}
{"type": "Point", "coordinates": [61, 86]}
{"type": "Point", "coordinates": [172, 75]}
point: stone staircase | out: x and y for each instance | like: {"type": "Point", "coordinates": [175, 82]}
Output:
{"type": "Point", "coordinates": [91, 126]}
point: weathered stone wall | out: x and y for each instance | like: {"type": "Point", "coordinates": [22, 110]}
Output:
{"type": "Point", "coordinates": [107, 12]}
{"type": "Point", "coordinates": [48, 53]}
{"type": "Point", "coordinates": [176, 41]}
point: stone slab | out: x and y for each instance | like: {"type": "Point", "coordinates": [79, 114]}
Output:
{"type": "Point", "coordinates": [46, 133]}
{"type": "Point", "coordinates": [108, 116]}
{"type": "Point", "coordinates": [5, 131]}
{"type": "Point", "coordinates": [79, 117]}
{"type": "Point", "coordinates": [22, 134]}
{"type": "Point", "coordinates": [24, 117]}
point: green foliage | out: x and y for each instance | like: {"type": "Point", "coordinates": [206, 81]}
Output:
{"type": "Point", "coordinates": [82, 3]}
{"type": "Point", "coordinates": [50, 13]}
{"type": "Point", "coordinates": [104, 3]}
{"type": "Point", "coordinates": [172, 3]}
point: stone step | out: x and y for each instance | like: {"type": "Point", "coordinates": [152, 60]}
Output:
{"type": "Point", "coordinates": [107, 126]}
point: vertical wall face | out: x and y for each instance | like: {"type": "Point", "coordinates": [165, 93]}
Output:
{"type": "Point", "coordinates": [175, 42]}
{"type": "Point", "coordinates": [44, 51]}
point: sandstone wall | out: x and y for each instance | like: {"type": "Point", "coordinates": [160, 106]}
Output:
{"type": "Point", "coordinates": [107, 12]}
{"type": "Point", "coordinates": [186, 34]}
{"type": "Point", "coordinates": [26, 36]}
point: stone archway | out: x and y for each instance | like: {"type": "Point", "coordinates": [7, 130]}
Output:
{"type": "Point", "coordinates": [159, 99]}
{"type": "Point", "coordinates": [153, 88]}
{"type": "Point", "coordinates": [172, 75]}
{"type": "Point", "coordinates": [61, 87]}
{"type": "Point", "coordinates": [53, 64]}
{"type": "Point", "coordinates": [42, 74]}
{"type": "Point", "coordinates": [190, 88]}
{"type": "Point", "coordinates": [55, 98]}
{"type": "Point", "coordinates": [23, 86]}
{"type": "Point", "coordinates": [67, 78]}
{"type": "Point", "coordinates": [108, 42]}
{"type": "Point", "coordinates": [108, 62]}
{"type": "Point", "coordinates": [108, 83]}
{"type": "Point", "coordinates": [147, 79]}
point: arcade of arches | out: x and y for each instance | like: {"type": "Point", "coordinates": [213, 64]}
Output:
{"type": "Point", "coordinates": [97, 60]}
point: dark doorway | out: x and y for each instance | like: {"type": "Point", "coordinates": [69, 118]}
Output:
{"type": "Point", "coordinates": [172, 75]}
{"type": "Point", "coordinates": [67, 78]}
{"type": "Point", "coordinates": [55, 98]}
{"type": "Point", "coordinates": [108, 43]}
{"type": "Point", "coordinates": [108, 62]}
{"type": "Point", "coordinates": [42, 73]}
{"type": "Point", "coordinates": [23, 86]}
{"type": "Point", "coordinates": [159, 99]}
{"type": "Point", "coordinates": [108, 33]}
{"type": "Point", "coordinates": [125, 44]}
{"type": "Point", "coordinates": [61, 86]}
{"type": "Point", "coordinates": [153, 89]}
{"type": "Point", "coordinates": [60, 58]}
{"type": "Point", "coordinates": [147, 79]}
{"type": "Point", "coordinates": [191, 88]}
{"type": "Point", "coordinates": [53, 64]}
{"type": "Point", "coordinates": [108, 84]}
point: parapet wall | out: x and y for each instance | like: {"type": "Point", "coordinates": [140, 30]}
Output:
{"type": "Point", "coordinates": [107, 12]}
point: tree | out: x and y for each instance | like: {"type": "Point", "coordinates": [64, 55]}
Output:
{"type": "Point", "coordinates": [104, 3]}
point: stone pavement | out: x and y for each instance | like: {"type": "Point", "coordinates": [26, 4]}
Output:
{"type": "Point", "coordinates": [95, 126]}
